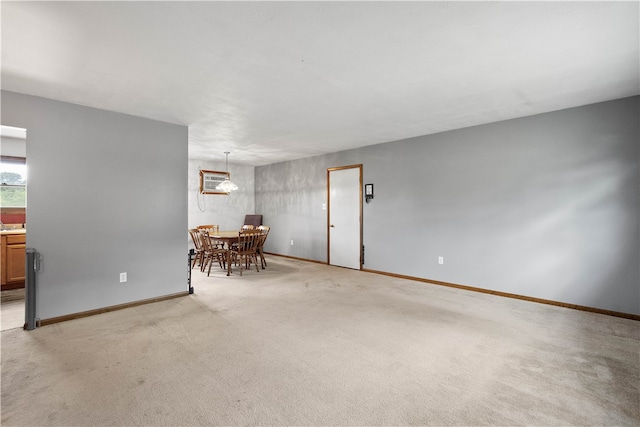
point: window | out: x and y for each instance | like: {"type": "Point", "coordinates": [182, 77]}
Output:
{"type": "Point", "coordinates": [13, 190]}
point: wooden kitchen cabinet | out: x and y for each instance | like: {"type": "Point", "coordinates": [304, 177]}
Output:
{"type": "Point", "coordinates": [13, 260]}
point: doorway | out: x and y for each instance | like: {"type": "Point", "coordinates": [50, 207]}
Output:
{"type": "Point", "coordinates": [13, 205]}
{"type": "Point", "coordinates": [344, 225]}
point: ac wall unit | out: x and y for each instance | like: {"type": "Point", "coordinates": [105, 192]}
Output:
{"type": "Point", "coordinates": [209, 180]}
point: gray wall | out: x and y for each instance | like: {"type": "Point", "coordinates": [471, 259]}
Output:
{"type": "Point", "coordinates": [226, 211]}
{"type": "Point", "coordinates": [106, 195]}
{"type": "Point", "coordinates": [544, 206]}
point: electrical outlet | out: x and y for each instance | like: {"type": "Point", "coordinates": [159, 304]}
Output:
{"type": "Point", "coordinates": [440, 260]}
{"type": "Point", "coordinates": [123, 277]}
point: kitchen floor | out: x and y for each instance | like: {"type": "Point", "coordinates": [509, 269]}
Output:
{"type": "Point", "coordinates": [12, 309]}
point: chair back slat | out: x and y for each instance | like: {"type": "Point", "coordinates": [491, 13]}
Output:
{"type": "Point", "coordinates": [264, 232]}
{"type": "Point", "coordinates": [205, 241]}
{"type": "Point", "coordinates": [210, 250]}
{"type": "Point", "coordinates": [247, 249]}
{"type": "Point", "coordinates": [193, 232]}
{"type": "Point", "coordinates": [197, 243]}
{"type": "Point", "coordinates": [211, 228]}
{"type": "Point", "coordinates": [248, 240]}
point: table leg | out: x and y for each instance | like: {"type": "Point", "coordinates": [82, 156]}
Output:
{"type": "Point", "coordinates": [228, 263]}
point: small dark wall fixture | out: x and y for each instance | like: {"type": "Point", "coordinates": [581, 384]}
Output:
{"type": "Point", "coordinates": [368, 192]}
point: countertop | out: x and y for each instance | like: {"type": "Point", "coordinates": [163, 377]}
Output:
{"type": "Point", "coordinates": [15, 231]}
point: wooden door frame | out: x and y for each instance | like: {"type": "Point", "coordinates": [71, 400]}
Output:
{"type": "Point", "coordinates": [329, 170]}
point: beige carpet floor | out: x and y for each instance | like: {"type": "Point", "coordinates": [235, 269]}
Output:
{"type": "Point", "coordinates": [308, 344]}
{"type": "Point", "coordinates": [12, 309]}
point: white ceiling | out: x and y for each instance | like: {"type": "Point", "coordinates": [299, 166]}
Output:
{"type": "Point", "coordinates": [275, 81]}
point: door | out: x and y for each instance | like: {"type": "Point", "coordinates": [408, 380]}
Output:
{"type": "Point", "coordinates": [345, 216]}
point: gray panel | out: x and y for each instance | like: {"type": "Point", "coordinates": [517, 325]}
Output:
{"type": "Point", "coordinates": [544, 206]}
{"type": "Point", "coordinates": [106, 195]}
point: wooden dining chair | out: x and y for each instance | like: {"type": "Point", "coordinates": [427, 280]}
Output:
{"type": "Point", "coordinates": [247, 249]}
{"type": "Point", "coordinates": [211, 252]}
{"type": "Point", "coordinates": [197, 243]}
{"type": "Point", "coordinates": [264, 232]}
{"type": "Point", "coordinates": [212, 229]}
{"type": "Point", "coordinates": [244, 227]}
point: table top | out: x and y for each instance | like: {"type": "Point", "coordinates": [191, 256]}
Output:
{"type": "Point", "coordinates": [230, 234]}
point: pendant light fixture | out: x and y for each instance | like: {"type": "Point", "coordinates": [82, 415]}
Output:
{"type": "Point", "coordinates": [227, 186]}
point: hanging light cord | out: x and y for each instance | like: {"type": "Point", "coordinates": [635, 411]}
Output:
{"type": "Point", "coordinates": [202, 209]}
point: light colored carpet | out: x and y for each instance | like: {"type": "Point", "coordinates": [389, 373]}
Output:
{"type": "Point", "coordinates": [307, 344]}
{"type": "Point", "coordinates": [12, 309]}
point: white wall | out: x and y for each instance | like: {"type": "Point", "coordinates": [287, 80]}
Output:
{"type": "Point", "coordinates": [106, 195]}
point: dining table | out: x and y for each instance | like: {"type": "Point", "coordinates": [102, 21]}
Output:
{"type": "Point", "coordinates": [228, 238]}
